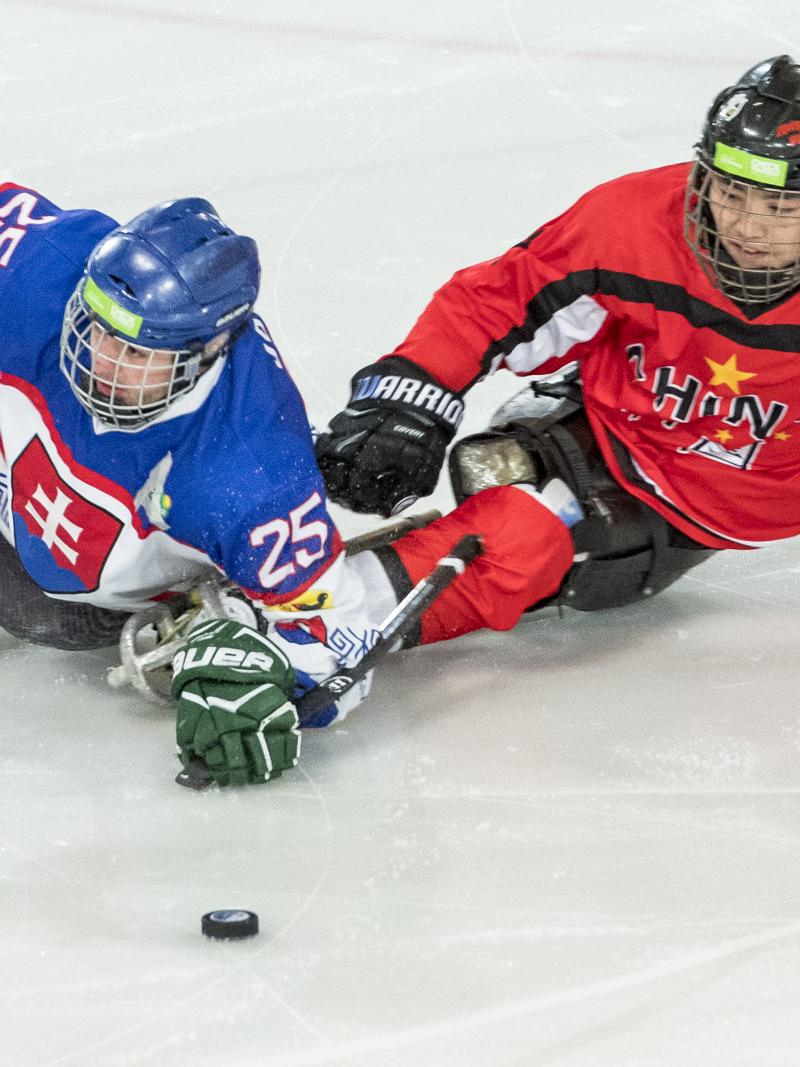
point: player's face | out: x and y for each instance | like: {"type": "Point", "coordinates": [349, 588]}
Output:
{"type": "Point", "coordinates": [129, 375]}
{"type": "Point", "coordinates": [758, 228]}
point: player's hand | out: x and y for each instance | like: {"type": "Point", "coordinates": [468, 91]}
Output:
{"type": "Point", "coordinates": [234, 690]}
{"type": "Point", "coordinates": [387, 447]}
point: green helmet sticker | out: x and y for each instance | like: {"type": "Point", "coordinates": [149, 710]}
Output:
{"type": "Point", "coordinates": [110, 311]}
{"type": "Point", "coordinates": [753, 168]}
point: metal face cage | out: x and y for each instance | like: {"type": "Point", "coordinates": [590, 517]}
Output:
{"type": "Point", "coordinates": [122, 384]}
{"type": "Point", "coordinates": [746, 237]}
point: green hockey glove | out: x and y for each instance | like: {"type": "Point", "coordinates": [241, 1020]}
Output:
{"type": "Point", "coordinates": [234, 690]}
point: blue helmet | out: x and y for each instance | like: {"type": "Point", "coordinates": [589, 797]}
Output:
{"type": "Point", "coordinates": [174, 281]}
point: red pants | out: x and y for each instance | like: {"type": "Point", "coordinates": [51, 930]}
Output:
{"type": "Point", "coordinates": [526, 553]}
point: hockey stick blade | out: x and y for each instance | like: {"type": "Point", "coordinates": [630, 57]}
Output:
{"type": "Point", "coordinates": [195, 775]}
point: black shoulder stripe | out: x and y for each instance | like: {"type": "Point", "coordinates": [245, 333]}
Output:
{"type": "Point", "coordinates": [540, 310]}
{"type": "Point", "coordinates": [663, 296]}
{"type": "Point", "coordinates": [667, 297]}
{"type": "Point", "coordinates": [531, 237]}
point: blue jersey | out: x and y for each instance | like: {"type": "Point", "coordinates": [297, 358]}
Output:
{"type": "Point", "coordinates": [224, 479]}
{"type": "Point", "coordinates": [226, 476]}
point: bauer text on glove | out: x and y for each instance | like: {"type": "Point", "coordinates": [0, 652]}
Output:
{"type": "Point", "coordinates": [234, 690]}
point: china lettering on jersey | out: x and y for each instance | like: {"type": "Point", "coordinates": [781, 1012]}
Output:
{"type": "Point", "coordinates": [744, 420]}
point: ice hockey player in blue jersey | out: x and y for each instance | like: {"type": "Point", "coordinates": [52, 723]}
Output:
{"type": "Point", "coordinates": [149, 434]}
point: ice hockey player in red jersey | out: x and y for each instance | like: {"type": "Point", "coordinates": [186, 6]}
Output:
{"type": "Point", "coordinates": [660, 316]}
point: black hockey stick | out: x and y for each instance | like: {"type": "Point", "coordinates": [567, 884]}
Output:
{"type": "Point", "coordinates": [395, 625]}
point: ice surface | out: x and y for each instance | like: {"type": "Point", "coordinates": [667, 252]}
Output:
{"type": "Point", "coordinates": [575, 845]}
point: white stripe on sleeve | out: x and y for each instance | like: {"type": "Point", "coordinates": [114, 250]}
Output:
{"type": "Point", "coordinates": [579, 321]}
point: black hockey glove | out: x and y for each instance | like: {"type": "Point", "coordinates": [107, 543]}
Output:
{"type": "Point", "coordinates": [387, 447]}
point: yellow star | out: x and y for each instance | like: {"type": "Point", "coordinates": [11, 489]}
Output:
{"type": "Point", "coordinates": [728, 374]}
{"type": "Point", "coordinates": [783, 436]}
{"type": "Point", "coordinates": [723, 435]}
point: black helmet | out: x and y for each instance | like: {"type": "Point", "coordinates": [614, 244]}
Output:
{"type": "Point", "coordinates": [751, 139]}
{"type": "Point", "coordinates": [752, 129]}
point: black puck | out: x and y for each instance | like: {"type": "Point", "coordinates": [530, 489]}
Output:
{"type": "Point", "coordinates": [229, 924]}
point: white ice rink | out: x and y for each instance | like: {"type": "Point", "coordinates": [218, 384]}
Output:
{"type": "Point", "coordinates": [575, 845]}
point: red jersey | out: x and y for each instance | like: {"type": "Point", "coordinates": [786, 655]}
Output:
{"type": "Point", "coordinates": [694, 400]}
